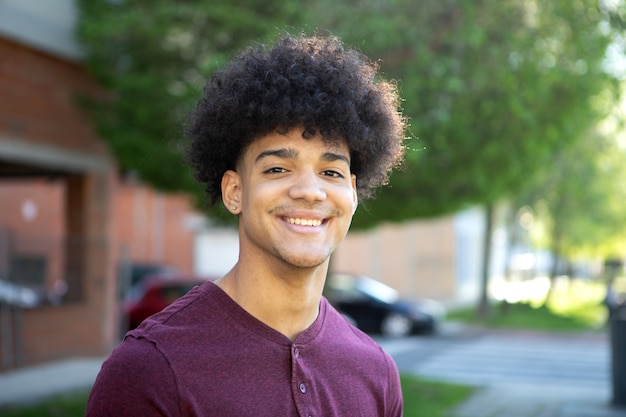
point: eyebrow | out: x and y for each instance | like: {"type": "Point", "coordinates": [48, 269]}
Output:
{"type": "Point", "coordinates": [291, 153]}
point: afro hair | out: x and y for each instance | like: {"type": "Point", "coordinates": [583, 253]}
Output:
{"type": "Point", "coordinates": [311, 82]}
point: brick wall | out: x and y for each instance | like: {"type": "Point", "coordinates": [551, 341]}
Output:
{"type": "Point", "coordinates": [152, 226]}
{"type": "Point", "coordinates": [34, 208]}
{"type": "Point", "coordinates": [72, 228]}
{"type": "Point", "coordinates": [146, 226]}
{"type": "Point", "coordinates": [38, 100]}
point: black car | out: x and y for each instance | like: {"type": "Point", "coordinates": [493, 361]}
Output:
{"type": "Point", "coordinates": [377, 308]}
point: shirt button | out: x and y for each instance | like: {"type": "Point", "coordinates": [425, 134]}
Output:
{"type": "Point", "coordinates": [302, 388]}
{"type": "Point", "coordinates": [296, 352]}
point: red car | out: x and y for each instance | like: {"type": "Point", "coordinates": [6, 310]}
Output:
{"type": "Point", "coordinates": [154, 294]}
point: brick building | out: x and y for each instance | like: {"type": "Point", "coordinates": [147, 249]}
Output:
{"type": "Point", "coordinates": [66, 220]}
{"type": "Point", "coordinates": [46, 142]}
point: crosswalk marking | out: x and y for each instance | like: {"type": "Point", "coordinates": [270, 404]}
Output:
{"type": "Point", "coordinates": [493, 360]}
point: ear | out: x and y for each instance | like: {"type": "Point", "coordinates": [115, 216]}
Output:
{"type": "Point", "coordinates": [231, 191]}
{"type": "Point", "coordinates": [355, 196]}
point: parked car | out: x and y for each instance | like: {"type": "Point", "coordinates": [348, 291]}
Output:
{"type": "Point", "coordinates": [132, 274]}
{"type": "Point", "coordinates": [155, 293]}
{"type": "Point", "coordinates": [377, 308]}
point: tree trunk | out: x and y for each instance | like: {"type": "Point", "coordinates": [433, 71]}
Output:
{"type": "Point", "coordinates": [556, 258]}
{"type": "Point", "coordinates": [484, 308]}
{"type": "Point", "coordinates": [512, 240]}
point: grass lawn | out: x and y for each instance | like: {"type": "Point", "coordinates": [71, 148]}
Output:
{"type": "Point", "coordinates": [423, 398]}
{"type": "Point", "coordinates": [575, 305]}
{"type": "Point", "coordinates": [66, 405]}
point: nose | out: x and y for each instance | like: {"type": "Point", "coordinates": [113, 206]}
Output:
{"type": "Point", "coordinates": [307, 186]}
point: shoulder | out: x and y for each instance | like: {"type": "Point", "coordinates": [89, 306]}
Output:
{"type": "Point", "coordinates": [343, 335]}
{"type": "Point", "coordinates": [136, 357]}
{"type": "Point", "coordinates": [137, 378]}
{"type": "Point", "coordinates": [341, 327]}
{"type": "Point", "coordinates": [204, 320]}
{"type": "Point", "coordinates": [185, 305]}
{"type": "Point", "coordinates": [201, 306]}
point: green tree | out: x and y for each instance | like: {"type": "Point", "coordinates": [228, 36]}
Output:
{"type": "Point", "coordinates": [153, 58]}
{"type": "Point", "coordinates": [579, 201]}
{"type": "Point", "coordinates": [494, 91]}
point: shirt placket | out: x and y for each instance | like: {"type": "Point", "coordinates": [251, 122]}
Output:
{"type": "Point", "coordinates": [301, 383]}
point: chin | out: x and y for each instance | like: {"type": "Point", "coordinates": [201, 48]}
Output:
{"type": "Point", "coordinates": [307, 263]}
{"type": "Point", "coordinates": [304, 256]}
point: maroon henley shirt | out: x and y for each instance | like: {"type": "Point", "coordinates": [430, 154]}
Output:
{"type": "Point", "coordinates": [206, 356]}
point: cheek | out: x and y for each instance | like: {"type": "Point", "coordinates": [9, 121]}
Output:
{"type": "Point", "coordinates": [355, 194]}
{"type": "Point", "coordinates": [258, 194]}
{"type": "Point", "coordinates": [350, 196]}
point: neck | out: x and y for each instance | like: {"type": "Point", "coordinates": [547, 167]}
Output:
{"type": "Point", "coordinates": [288, 302]}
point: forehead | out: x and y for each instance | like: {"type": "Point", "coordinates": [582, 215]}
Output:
{"type": "Point", "coordinates": [296, 144]}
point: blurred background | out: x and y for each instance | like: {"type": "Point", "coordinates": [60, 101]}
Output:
{"type": "Point", "coordinates": [513, 191]}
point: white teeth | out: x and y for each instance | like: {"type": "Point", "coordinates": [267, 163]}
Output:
{"type": "Point", "coordinates": [304, 222]}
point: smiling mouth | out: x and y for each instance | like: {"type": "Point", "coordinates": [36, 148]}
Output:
{"type": "Point", "coordinates": [304, 222]}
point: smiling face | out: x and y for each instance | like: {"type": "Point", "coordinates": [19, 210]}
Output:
{"type": "Point", "coordinates": [295, 198]}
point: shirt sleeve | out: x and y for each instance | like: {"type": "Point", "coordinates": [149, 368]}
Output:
{"type": "Point", "coordinates": [394, 395]}
{"type": "Point", "coordinates": [136, 380]}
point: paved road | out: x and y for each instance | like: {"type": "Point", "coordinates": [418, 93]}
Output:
{"type": "Point", "coordinates": [494, 358]}
{"type": "Point", "coordinates": [520, 373]}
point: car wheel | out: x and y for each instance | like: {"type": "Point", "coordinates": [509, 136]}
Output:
{"type": "Point", "coordinates": [396, 325]}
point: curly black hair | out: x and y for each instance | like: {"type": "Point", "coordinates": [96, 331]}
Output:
{"type": "Point", "coordinates": [313, 82]}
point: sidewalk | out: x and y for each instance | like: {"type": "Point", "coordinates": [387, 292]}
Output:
{"type": "Point", "coordinates": [538, 401]}
{"type": "Point", "coordinates": [36, 383]}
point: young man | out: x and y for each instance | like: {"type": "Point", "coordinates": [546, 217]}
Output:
{"type": "Point", "coordinates": [288, 138]}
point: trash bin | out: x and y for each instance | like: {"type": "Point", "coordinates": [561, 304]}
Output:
{"type": "Point", "coordinates": [618, 355]}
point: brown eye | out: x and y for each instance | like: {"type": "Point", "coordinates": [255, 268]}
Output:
{"type": "Point", "coordinates": [333, 173]}
{"type": "Point", "coordinates": [275, 170]}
